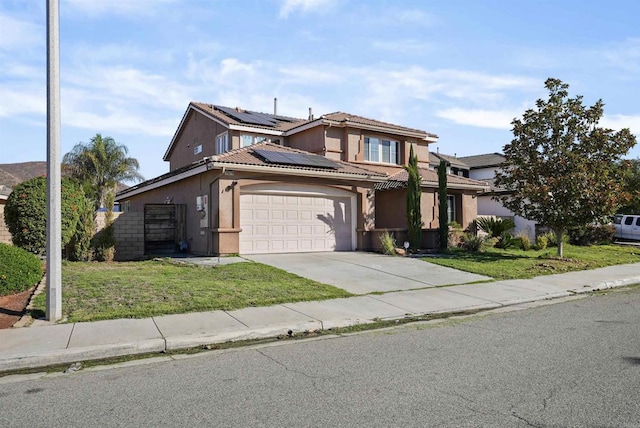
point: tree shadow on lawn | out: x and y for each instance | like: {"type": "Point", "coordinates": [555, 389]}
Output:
{"type": "Point", "coordinates": [477, 257]}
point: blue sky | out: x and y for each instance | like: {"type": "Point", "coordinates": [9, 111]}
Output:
{"type": "Point", "coordinates": [460, 69]}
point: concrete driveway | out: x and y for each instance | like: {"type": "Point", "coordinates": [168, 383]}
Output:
{"type": "Point", "coordinates": [363, 273]}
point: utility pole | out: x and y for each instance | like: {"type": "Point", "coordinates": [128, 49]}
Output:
{"type": "Point", "coordinates": [54, 198]}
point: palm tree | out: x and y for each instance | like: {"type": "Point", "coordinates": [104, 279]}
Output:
{"type": "Point", "coordinates": [101, 165]}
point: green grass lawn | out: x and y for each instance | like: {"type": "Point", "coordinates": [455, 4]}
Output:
{"type": "Point", "coordinates": [98, 291]}
{"type": "Point", "coordinates": [516, 264]}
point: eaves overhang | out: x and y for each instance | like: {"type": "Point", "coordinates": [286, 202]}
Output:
{"type": "Point", "coordinates": [208, 165]}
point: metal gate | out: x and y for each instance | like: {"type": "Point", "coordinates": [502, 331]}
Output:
{"type": "Point", "coordinates": [164, 228]}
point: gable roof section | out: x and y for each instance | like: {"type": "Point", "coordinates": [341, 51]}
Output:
{"type": "Point", "coordinates": [430, 178]}
{"type": "Point", "coordinates": [270, 124]}
{"type": "Point", "coordinates": [434, 159]}
{"type": "Point", "coordinates": [487, 160]}
{"type": "Point", "coordinates": [342, 119]}
{"type": "Point", "coordinates": [248, 156]}
{"type": "Point", "coordinates": [248, 160]}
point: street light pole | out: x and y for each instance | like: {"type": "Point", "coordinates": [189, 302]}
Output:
{"type": "Point", "coordinates": [54, 198]}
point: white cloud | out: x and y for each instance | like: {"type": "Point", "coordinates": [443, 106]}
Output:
{"type": "Point", "coordinates": [118, 121]}
{"type": "Point", "coordinates": [317, 75]}
{"type": "Point", "coordinates": [408, 46]}
{"type": "Point", "coordinates": [22, 100]}
{"type": "Point", "coordinates": [494, 119]}
{"type": "Point", "coordinates": [290, 6]}
{"type": "Point", "coordinates": [624, 55]}
{"type": "Point", "coordinates": [619, 121]}
{"type": "Point", "coordinates": [19, 34]}
{"type": "Point", "coordinates": [116, 7]}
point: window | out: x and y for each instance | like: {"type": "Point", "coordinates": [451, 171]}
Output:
{"type": "Point", "coordinates": [377, 150]}
{"type": "Point", "coordinates": [249, 140]}
{"type": "Point", "coordinates": [222, 143]}
{"type": "Point", "coordinates": [451, 208]}
{"type": "Point", "coordinates": [125, 206]}
{"type": "Point", "coordinates": [197, 149]}
{"type": "Point", "coordinates": [628, 221]}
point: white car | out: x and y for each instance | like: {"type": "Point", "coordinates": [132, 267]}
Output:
{"type": "Point", "coordinates": [627, 226]}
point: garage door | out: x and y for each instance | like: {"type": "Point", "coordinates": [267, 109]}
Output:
{"type": "Point", "coordinates": [289, 223]}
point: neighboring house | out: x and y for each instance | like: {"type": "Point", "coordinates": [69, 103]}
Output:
{"type": "Point", "coordinates": [5, 236]}
{"type": "Point", "coordinates": [248, 182]}
{"type": "Point", "coordinates": [483, 168]}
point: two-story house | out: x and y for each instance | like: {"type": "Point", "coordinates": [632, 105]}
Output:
{"type": "Point", "coordinates": [247, 182]}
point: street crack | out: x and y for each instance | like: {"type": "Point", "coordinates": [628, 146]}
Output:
{"type": "Point", "coordinates": [284, 366]}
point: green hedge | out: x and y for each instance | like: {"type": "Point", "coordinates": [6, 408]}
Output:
{"type": "Point", "coordinates": [19, 270]}
{"type": "Point", "coordinates": [26, 213]}
{"type": "Point", "coordinates": [591, 235]}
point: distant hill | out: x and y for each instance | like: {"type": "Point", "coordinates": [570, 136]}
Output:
{"type": "Point", "coordinates": [12, 174]}
{"type": "Point", "coordinates": [15, 173]}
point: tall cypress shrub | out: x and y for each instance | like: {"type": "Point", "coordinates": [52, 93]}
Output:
{"type": "Point", "coordinates": [443, 205]}
{"type": "Point", "coordinates": [414, 193]}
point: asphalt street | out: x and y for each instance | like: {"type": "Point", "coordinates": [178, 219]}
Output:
{"type": "Point", "coordinates": [573, 363]}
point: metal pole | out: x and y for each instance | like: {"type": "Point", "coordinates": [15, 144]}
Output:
{"type": "Point", "coordinates": [54, 198]}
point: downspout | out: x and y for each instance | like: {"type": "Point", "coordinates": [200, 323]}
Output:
{"type": "Point", "coordinates": [224, 169]}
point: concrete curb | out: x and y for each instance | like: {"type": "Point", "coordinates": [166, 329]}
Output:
{"type": "Point", "coordinates": [293, 319]}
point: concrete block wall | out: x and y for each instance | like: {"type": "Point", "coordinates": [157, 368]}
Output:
{"type": "Point", "coordinates": [128, 231]}
{"type": "Point", "coordinates": [128, 228]}
{"type": "Point", "coordinates": [5, 236]}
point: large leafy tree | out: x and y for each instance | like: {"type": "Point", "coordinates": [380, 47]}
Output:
{"type": "Point", "coordinates": [560, 166]}
{"type": "Point", "coordinates": [631, 170]}
{"type": "Point", "coordinates": [414, 194]}
{"type": "Point", "coordinates": [101, 164]}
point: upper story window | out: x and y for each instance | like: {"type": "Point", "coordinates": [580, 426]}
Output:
{"type": "Point", "coordinates": [379, 150]}
{"type": "Point", "coordinates": [248, 140]}
{"type": "Point", "coordinates": [222, 143]}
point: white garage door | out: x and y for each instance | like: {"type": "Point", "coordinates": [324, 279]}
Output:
{"type": "Point", "coordinates": [289, 223]}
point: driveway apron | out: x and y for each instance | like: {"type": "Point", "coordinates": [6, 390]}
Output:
{"type": "Point", "coordinates": [363, 273]}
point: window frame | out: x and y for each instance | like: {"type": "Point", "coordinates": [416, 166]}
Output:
{"type": "Point", "coordinates": [451, 208]}
{"type": "Point", "coordinates": [222, 142]}
{"type": "Point", "coordinates": [254, 139]}
{"type": "Point", "coordinates": [377, 149]}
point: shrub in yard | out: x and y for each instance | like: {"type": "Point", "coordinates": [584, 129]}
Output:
{"type": "Point", "coordinates": [542, 242]}
{"type": "Point", "coordinates": [388, 244]}
{"type": "Point", "coordinates": [591, 234]}
{"type": "Point", "coordinates": [456, 234]}
{"type": "Point", "coordinates": [26, 213]}
{"type": "Point", "coordinates": [476, 244]}
{"type": "Point", "coordinates": [494, 226]}
{"type": "Point", "coordinates": [525, 240]}
{"type": "Point", "coordinates": [19, 270]}
{"type": "Point", "coordinates": [504, 241]}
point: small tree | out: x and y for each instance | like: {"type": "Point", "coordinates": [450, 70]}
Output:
{"type": "Point", "coordinates": [26, 213]}
{"type": "Point", "coordinates": [443, 205]}
{"type": "Point", "coordinates": [414, 193]}
{"type": "Point", "coordinates": [560, 166]}
{"type": "Point", "coordinates": [100, 165]}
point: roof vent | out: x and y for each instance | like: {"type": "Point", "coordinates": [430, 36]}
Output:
{"type": "Point", "coordinates": [310, 114]}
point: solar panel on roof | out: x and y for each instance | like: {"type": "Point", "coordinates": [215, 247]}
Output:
{"type": "Point", "coordinates": [300, 159]}
{"type": "Point", "coordinates": [248, 116]}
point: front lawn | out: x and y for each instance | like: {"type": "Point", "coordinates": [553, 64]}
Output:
{"type": "Point", "coordinates": [97, 291]}
{"type": "Point", "coordinates": [516, 264]}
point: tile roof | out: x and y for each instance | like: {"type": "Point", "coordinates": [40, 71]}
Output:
{"type": "Point", "coordinates": [282, 123]}
{"type": "Point", "coordinates": [248, 156]}
{"type": "Point", "coordinates": [286, 123]}
{"type": "Point", "coordinates": [429, 178]}
{"type": "Point", "coordinates": [434, 158]}
{"type": "Point", "coordinates": [483, 161]}
{"type": "Point", "coordinates": [346, 118]}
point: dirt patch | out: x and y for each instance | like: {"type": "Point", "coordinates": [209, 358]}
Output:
{"type": "Point", "coordinates": [12, 308]}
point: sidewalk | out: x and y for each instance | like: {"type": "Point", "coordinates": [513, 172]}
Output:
{"type": "Point", "coordinates": [43, 345]}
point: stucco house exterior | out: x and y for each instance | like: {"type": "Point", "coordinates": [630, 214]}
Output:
{"type": "Point", "coordinates": [483, 167]}
{"type": "Point", "coordinates": [244, 182]}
